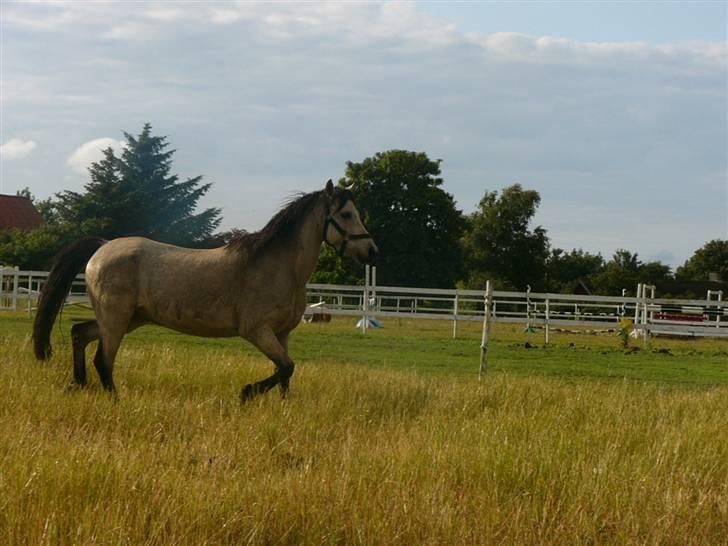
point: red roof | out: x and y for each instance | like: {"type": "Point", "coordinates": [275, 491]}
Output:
{"type": "Point", "coordinates": [18, 212]}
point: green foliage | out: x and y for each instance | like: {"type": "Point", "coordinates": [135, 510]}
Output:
{"type": "Point", "coordinates": [564, 269]}
{"type": "Point", "coordinates": [710, 258]}
{"type": "Point", "coordinates": [625, 328]}
{"type": "Point", "coordinates": [620, 272]}
{"type": "Point", "coordinates": [413, 220]}
{"type": "Point", "coordinates": [35, 249]}
{"type": "Point", "coordinates": [333, 270]}
{"type": "Point", "coordinates": [25, 192]}
{"type": "Point", "coordinates": [46, 207]}
{"type": "Point", "coordinates": [625, 270]}
{"type": "Point", "coordinates": [499, 245]}
{"type": "Point", "coordinates": [135, 194]}
{"type": "Point", "coordinates": [654, 272]}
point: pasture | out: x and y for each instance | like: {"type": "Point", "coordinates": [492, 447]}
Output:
{"type": "Point", "coordinates": [385, 439]}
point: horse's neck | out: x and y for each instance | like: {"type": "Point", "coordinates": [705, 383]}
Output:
{"type": "Point", "coordinates": [307, 247]}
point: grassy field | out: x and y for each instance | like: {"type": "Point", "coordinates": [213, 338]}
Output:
{"type": "Point", "coordinates": [386, 439]}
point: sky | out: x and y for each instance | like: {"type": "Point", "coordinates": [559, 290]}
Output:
{"type": "Point", "coordinates": [615, 112]}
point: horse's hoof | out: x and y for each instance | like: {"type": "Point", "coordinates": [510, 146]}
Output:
{"type": "Point", "coordinates": [247, 393]}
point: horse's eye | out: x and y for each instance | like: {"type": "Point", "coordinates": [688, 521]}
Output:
{"type": "Point", "coordinates": [346, 215]}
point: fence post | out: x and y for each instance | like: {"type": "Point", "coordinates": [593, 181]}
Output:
{"type": "Point", "coordinates": [529, 328]}
{"type": "Point", "coordinates": [546, 326]}
{"type": "Point", "coordinates": [485, 340]}
{"type": "Point", "coordinates": [645, 316]}
{"type": "Point", "coordinates": [374, 286]}
{"type": "Point", "coordinates": [717, 314]}
{"type": "Point", "coordinates": [455, 318]}
{"type": "Point", "coordinates": [16, 282]}
{"type": "Point", "coordinates": [709, 298]}
{"type": "Point", "coordinates": [365, 301]}
{"type": "Point", "coordinates": [29, 293]}
{"type": "Point", "coordinates": [637, 305]}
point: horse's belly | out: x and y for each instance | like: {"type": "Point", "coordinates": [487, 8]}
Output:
{"type": "Point", "coordinates": [208, 322]}
{"type": "Point", "coordinates": [203, 330]}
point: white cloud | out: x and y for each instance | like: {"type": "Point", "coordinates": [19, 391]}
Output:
{"type": "Point", "coordinates": [518, 47]}
{"type": "Point", "coordinates": [90, 152]}
{"type": "Point", "coordinates": [291, 91]}
{"type": "Point", "coordinates": [16, 148]}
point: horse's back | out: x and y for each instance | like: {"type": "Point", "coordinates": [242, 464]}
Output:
{"type": "Point", "coordinates": [135, 256]}
{"type": "Point", "coordinates": [185, 289]}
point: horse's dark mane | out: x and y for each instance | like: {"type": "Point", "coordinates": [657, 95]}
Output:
{"type": "Point", "coordinates": [283, 224]}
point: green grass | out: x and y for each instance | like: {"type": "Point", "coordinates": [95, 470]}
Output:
{"type": "Point", "coordinates": [427, 347]}
{"type": "Point", "coordinates": [386, 439]}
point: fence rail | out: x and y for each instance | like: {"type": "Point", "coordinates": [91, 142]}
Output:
{"type": "Point", "coordinates": [709, 318]}
{"type": "Point", "coordinates": [20, 289]}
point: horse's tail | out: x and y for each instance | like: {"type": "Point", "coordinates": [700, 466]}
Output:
{"type": "Point", "coordinates": [66, 265]}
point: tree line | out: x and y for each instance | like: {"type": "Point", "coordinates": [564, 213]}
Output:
{"type": "Point", "coordinates": [425, 240]}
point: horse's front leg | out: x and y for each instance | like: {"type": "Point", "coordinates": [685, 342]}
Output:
{"type": "Point", "coordinates": [270, 345]}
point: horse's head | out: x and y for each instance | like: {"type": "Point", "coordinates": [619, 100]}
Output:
{"type": "Point", "coordinates": [343, 228]}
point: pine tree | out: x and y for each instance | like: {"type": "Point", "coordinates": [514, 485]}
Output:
{"type": "Point", "coordinates": [136, 194]}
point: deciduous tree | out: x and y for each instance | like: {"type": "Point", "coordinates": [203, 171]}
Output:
{"type": "Point", "coordinates": [625, 270]}
{"type": "Point", "coordinates": [413, 220]}
{"type": "Point", "coordinates": [501, 246]}
{"type": "Point", "coordinates": [564, 269]}
{"type": "Point", "coordinates": [712, 257]}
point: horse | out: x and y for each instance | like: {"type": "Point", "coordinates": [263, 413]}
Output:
{"type": "Point", "coordinates": [253, 287]}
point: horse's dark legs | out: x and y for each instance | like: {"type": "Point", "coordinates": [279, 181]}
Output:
{"type": "Point", "coordinates": [275, 348]}
{"type": "Point", "coordinates": [111, 331]}
{"type": "Point", "coordinates": [285, 368]}
{"type": "Point", "coordinates": [254, 389]}
{"type": "Point", "coordinates": [82, 334]}
{"type": "Point", "coordinates": [106, 371]}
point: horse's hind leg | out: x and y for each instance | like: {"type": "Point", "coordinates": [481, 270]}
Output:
{"type": "Point", "coordinates": [111, 333]}
{"type": "Point", "coordinates": [106, 373]}
{"type": "Point", "coordinates": [82, 334]}
{"type": "Point", "coordinates": [104, 361]}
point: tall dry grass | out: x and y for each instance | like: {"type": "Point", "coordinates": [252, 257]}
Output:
{"type": "Point", "coordinates": [355, 456]}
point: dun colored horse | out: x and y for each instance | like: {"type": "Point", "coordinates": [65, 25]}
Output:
{"type": "Point", "coordinates": [253, 287]}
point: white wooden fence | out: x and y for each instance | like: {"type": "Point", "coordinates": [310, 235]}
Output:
{"type": "Point", "coordinates": [650, 315]}
{"type": "Point", "coordinates": [19, 289]}
{"type": "Point", "coordinates": [707, 317]}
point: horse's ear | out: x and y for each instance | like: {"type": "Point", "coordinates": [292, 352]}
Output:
{"type": "Point", "coordinates": [329, 189]}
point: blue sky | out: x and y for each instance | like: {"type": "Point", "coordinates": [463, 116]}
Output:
{"type": "Point", "coordinates": [615, 112]}
{"type": "Point", "coordinates": [653, 22]}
